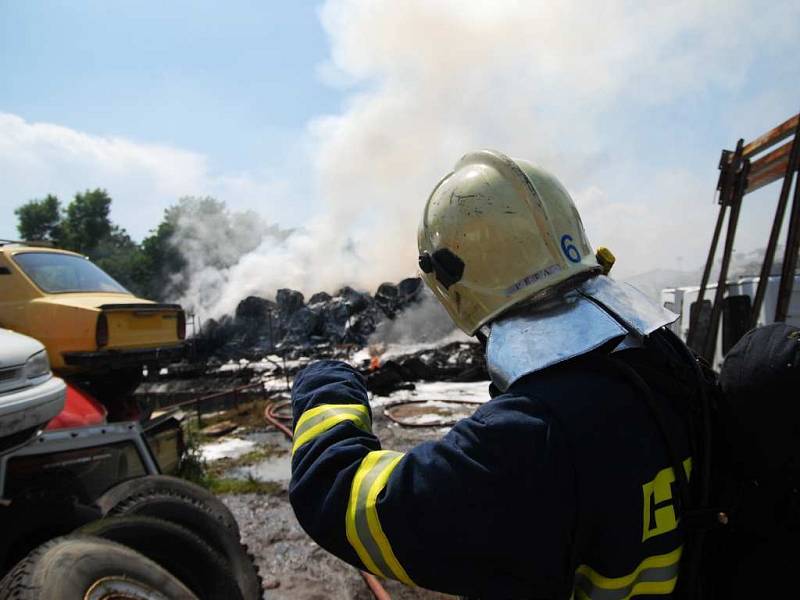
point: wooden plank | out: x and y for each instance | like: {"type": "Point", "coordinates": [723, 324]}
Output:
{"type": "Point", "coordinates": [772, 173]}
{"type": "Point", "coordinates": [219, 429]}
{"type": "Point", "coordinates": [780, 133]}
{"type": "Point", "coordinates": [757, 166]}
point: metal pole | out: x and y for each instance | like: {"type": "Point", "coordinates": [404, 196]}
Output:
{"type": "Point", "coordinates": [695, 318]}
{"type": "Point", "coordinates": [769, 255]}
{"type": "Point", "coordinates": [739, 170]}
{"type": "Point", "coordinates": [709, 344]}
{"type": "Point", "coordinates": [789, 257]}
{"type": "Point", "coordinates": [271, 340]}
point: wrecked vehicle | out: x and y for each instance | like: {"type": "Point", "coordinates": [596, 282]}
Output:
{"type": "Point", "coordinates": [100, 325]}
{"type": "Point", "coordinates": [84, 509]}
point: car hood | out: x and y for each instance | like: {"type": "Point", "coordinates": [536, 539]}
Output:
{"type": "Point", "coordinates": [94, 300]}
{"type": "Point", "coordinates": [15, 348]}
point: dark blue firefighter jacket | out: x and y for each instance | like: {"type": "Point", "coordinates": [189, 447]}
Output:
{"type": "Point", "coordinates": [560, 486]}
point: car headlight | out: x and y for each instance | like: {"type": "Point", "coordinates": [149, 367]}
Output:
{"type": "Point", "coordinates": [37, 365]}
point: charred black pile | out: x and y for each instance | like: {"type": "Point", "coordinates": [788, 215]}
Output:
{"type": "Point", "coordinates": [457, 361]}
{"type": "Point", "coordinates": [293, 327]}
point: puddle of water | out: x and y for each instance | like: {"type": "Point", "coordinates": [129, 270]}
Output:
{"type": "Point", "coordinates": [275, 468]}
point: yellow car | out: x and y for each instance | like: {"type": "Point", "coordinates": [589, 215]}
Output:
{"type": "Point", "coordinates": [87, 321]}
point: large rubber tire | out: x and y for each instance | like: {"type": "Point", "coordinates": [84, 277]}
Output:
{"type": "Point", "coordinates": [164, 484]}
{"type": "Point", "coordinates": [189, 508]}
{"type": "Point", "coordinates": [178, 550]}
{"type": "Point", "coordinates": [68, 567]}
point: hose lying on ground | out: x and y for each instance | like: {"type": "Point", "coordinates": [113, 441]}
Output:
{"type": "Point", "coordinates": [276, 418]}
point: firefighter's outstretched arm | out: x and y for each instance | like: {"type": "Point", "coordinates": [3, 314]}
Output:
{"type": "Point", "coordinates": [446, 515]}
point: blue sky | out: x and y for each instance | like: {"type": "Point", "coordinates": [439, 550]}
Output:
{"type": "Point", "coordinates": [233, 83]}
{"type": "Point", "coordinates": [339, 116]}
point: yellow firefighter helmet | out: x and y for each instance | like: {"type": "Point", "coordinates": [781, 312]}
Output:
{"type": "Point", "coordinates": [497, 232]}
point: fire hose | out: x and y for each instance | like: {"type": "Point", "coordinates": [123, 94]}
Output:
{"type": "Point", "coordinates": [276, 418]}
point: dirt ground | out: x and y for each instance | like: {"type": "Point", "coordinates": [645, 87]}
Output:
{"type": "Point", "coordinates": [292, 565]}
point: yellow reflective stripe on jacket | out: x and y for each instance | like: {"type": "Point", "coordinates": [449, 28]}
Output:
{"type": "Point", "coordinates": [364, 531]}
{"type": "Point", "coordinates": [658, 514]}
{"type": "Point", "coordinates": [320, 419]}
{"type": "Point", "coordinates": [655, 575]}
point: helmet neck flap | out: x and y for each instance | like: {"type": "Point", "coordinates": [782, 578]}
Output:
{"type": "Point", "coordinates": [600, 311]}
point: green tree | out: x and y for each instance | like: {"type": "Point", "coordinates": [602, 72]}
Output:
{"type": "Point", "coordinates": [39, 219]}
{"type": "Point", "coordinates": [119, 256]}
{"type": "Point", "coordinates": [86, 223]}
{"type": "Point", "coordinates": [159, 259]}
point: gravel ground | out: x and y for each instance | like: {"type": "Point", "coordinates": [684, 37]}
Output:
{"type": "Point", "coordinates": [292, 565]}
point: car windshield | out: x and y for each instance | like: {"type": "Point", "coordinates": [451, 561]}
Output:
{"type": "Point", "coordinates": [58, 273]}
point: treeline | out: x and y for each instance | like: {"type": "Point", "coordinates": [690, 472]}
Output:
{"type": "Point", "coordinates": [147, 269]}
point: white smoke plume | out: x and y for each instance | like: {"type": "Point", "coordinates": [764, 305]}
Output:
{"type": "Point", "coordinates": [424, 321]}
{"type": "Point", "coordinates": [431, 80]}
{"type": "Point", "coordinates": [214, 242]}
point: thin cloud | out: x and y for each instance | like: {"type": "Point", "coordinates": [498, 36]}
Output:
{"type": "Point", "coordinates": [41, 158]}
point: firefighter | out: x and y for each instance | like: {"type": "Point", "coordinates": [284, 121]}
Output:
{"type": "Point", "coordinates": [568, 481]}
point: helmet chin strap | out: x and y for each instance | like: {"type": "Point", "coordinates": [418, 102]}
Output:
{"type": "Point", "coordinates": [482, 337]}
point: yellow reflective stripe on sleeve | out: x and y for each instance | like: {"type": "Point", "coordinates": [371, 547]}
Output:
{"type": "Point", "coordinates": [366, 466]}
{"type": "Point", "coordinates": [320, 419]}
{"type": "Point", "coordinates": [655, 575]}
{"type": "Point", "coordinates": [363, 528]}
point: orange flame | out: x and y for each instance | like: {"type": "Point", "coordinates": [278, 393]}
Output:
{"type": "Point", "coordinates": [375, 352]}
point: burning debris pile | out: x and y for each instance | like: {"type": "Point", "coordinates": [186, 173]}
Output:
{"type": "Point", "coordinates": [456, 361]}
{"type": "Point", "coordinates": [292, 327]}
{"type": "Point", "coordinates": [396, 337]}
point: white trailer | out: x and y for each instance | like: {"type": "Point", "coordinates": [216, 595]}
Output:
{"type": "Point", "coordinates": [736, 309]}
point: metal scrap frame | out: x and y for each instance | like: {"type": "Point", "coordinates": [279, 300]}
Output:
{"type": "Point", "coordinates": [741, 174]}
